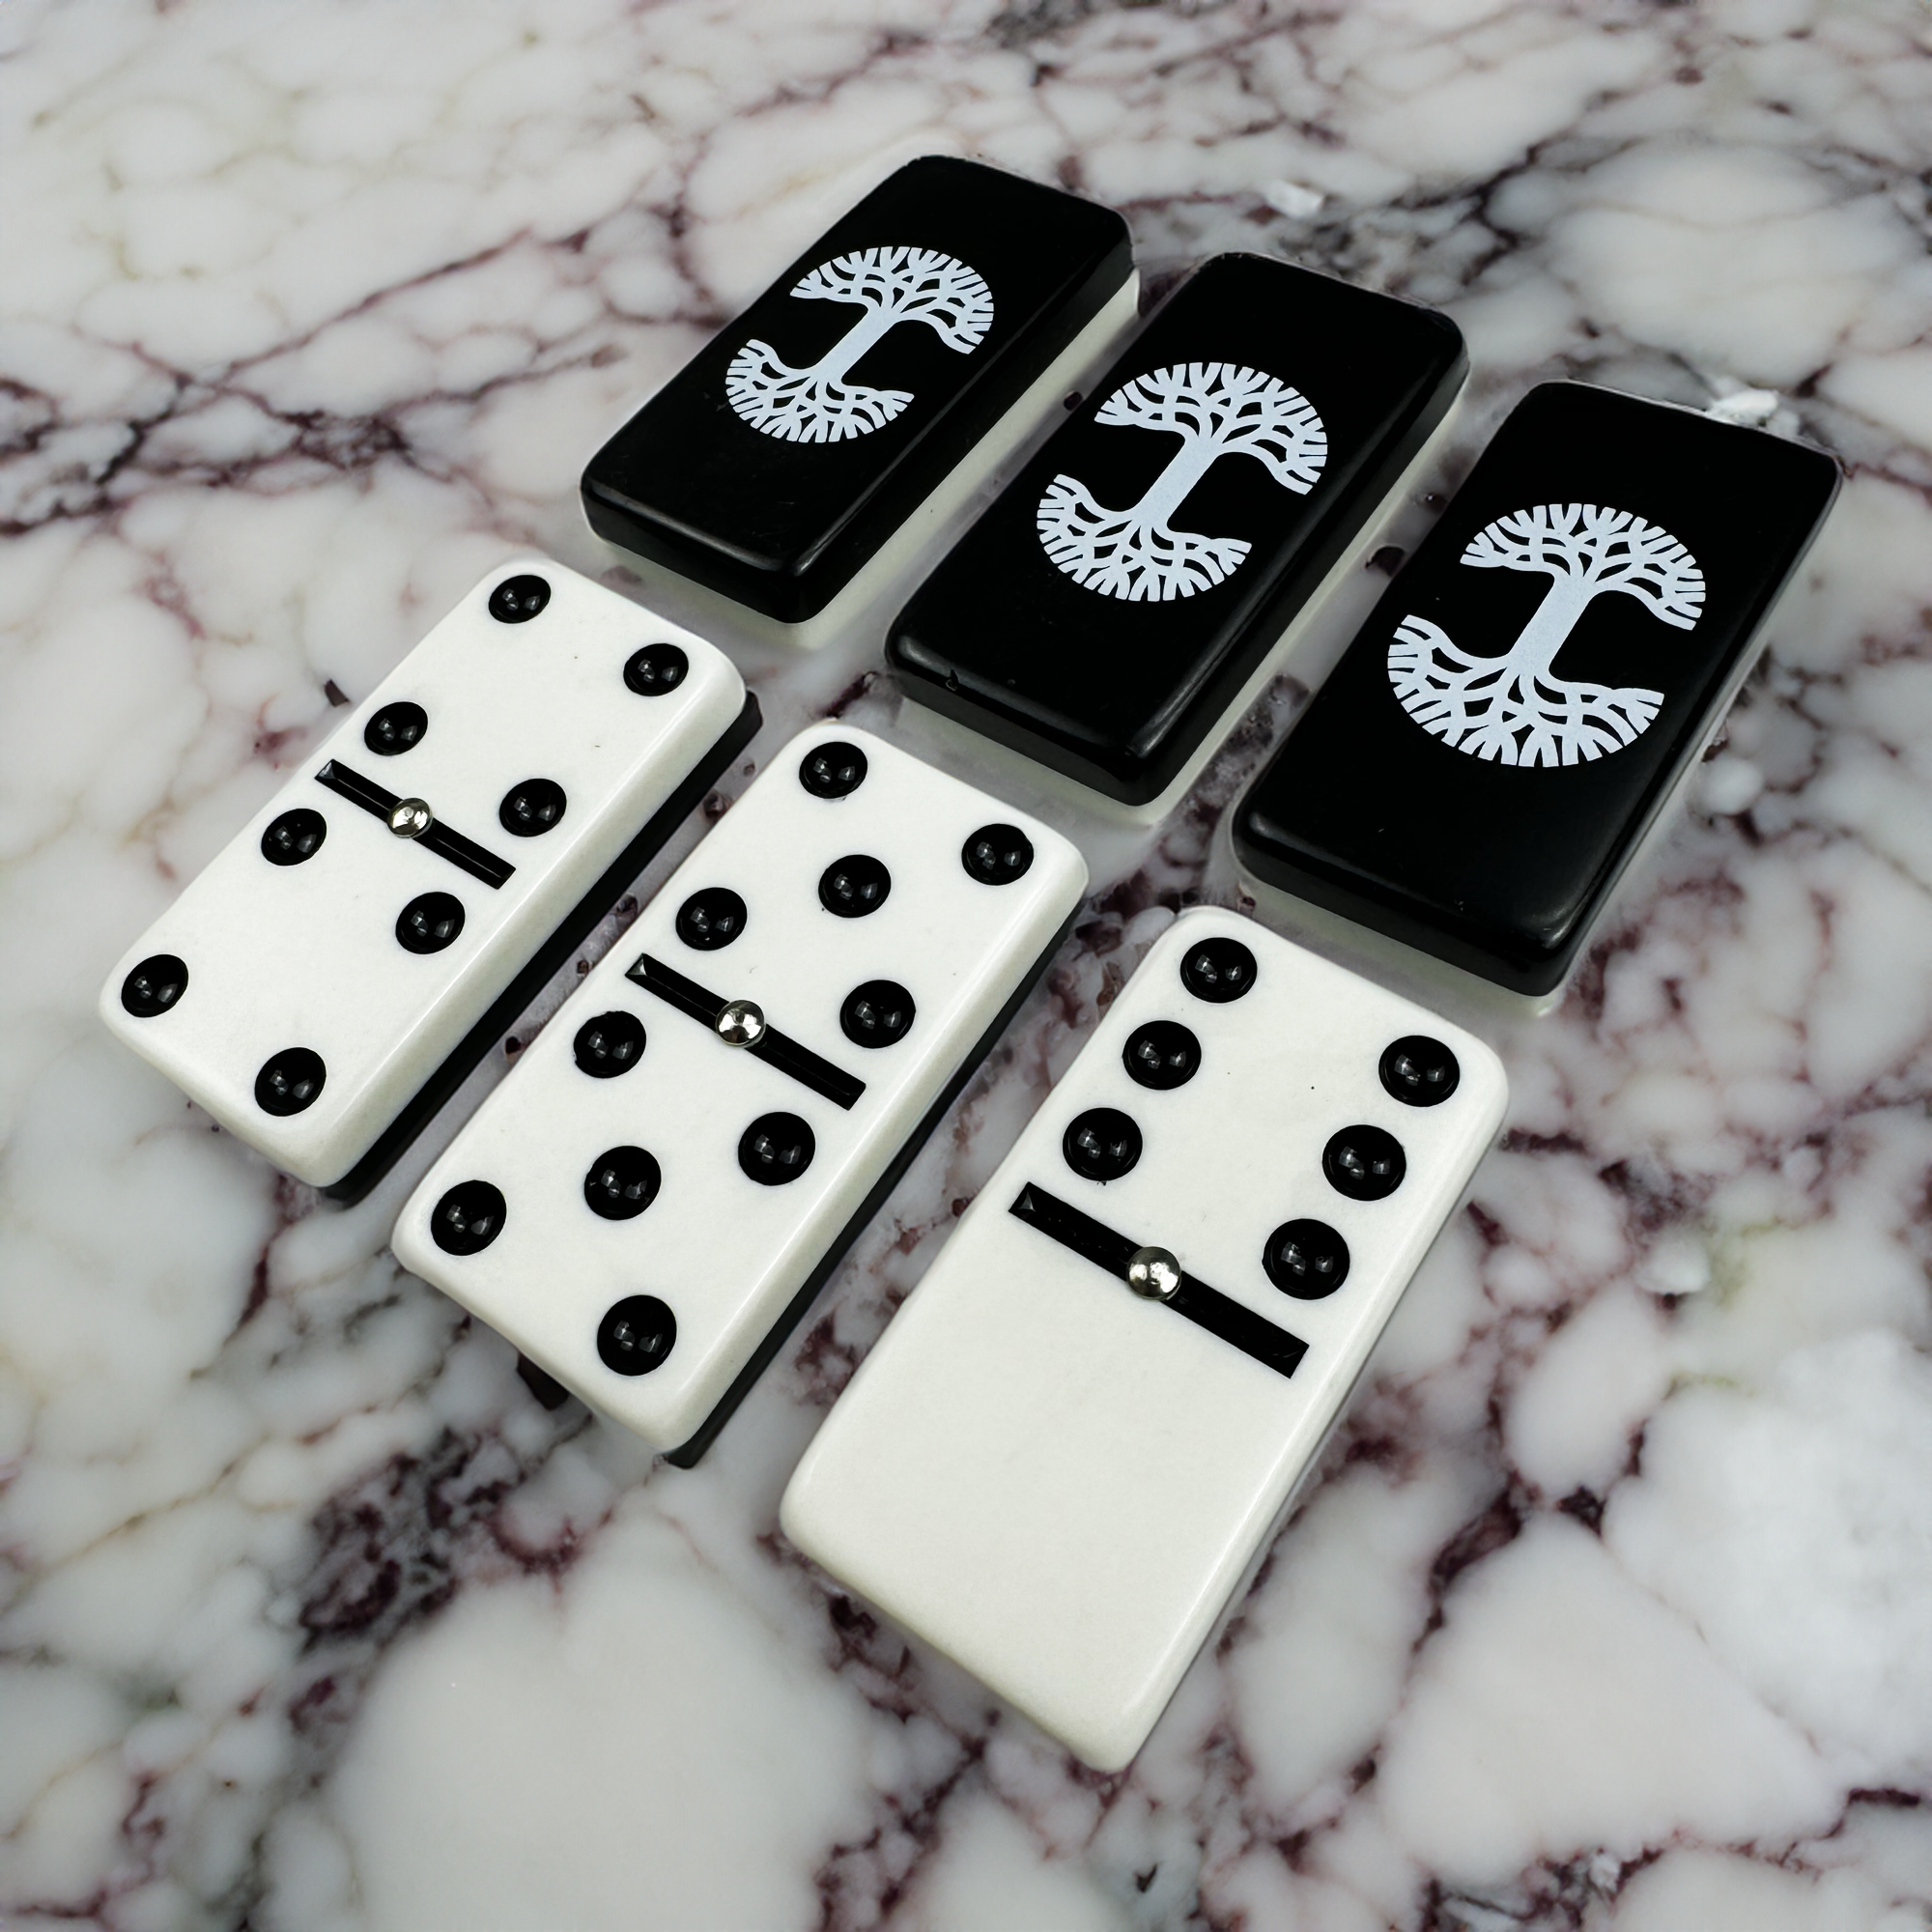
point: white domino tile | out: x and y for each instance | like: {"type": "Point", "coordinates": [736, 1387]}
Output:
{"type": "Point", "coordinates": [718, 1258]}
{"type": "Point", "coordinates": [1061, 1483]}
{"type": "Point", "coordinates": [304, 958]}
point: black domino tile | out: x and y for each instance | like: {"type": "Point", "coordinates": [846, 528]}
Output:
{"type": "Point", "coordinates": [1113, 671]}
{"type": "Point", "coordinates": [782, 524]}
{"type": "Point", "coordinates": [1486, 818]}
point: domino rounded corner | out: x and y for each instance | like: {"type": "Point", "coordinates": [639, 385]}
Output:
{"type": "Point", "coordinates": [409, 1241]}
{"type": "Point", "coordinates": [1494, 1080]}
{"type": "Point", "coordinates": [108, 1007]}
{"type": "Point", "coordinates": [519, 563]}
{"type": "Point", "coordinates": [797, 1510]}
{"type": "Point", "coordinates": [1108, 1747]}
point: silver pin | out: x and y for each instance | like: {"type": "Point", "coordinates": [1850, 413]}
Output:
{"type": "Point", "coordinates": [740, 1023]}
{"type": "Point", "coordinates": [1155, 1273]}
{"type": "Point", "coordinates": [411, 818]}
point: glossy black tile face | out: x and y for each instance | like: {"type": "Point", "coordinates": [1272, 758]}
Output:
{"type": "Point", "coordinates": [1483, 762]}
{"type": "Point", "coordinates": [1107, 609]}
{"type": "Point", "coordinates": [791, 447]}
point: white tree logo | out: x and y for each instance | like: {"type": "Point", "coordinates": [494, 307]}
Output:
{"type": "Point", "coordinates": [1511, 709]}
{"type": "Point", "coordinates": [892, 285]}
{"type": "Point", "coordinates": [1217, 410]}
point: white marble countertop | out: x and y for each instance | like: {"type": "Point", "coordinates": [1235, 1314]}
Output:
{"type": "Point", "coordinates": [1609, 1605]}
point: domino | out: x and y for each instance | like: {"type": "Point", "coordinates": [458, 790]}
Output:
{"type": "Point", "coordinates": [337, 970]}
{"type": "Point", "coordinates": [1106, 612]}
{"type": "Point", "coordinates": [656, 1193]}
{"type": "Point", "coordinates": [1487, 757]}
{"type": "Point", "coordinates": [1076, 1437]}
{"type": "Point", "coordinates": [777, 466]}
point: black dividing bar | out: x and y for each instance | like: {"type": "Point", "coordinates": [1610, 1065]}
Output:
{"type": "Point", "coordinates": [1205, 1307]}
{"type": "Point", "coordinates": [467, 853]}
{"type": "Point", "coordinates": [774, 1048]}
{"type": "Point", "coordinates": [675, 990]}
{"type": "Point", "coordinates": [473, 859]}
{"type": "Point", "coordinates": [357, 789]}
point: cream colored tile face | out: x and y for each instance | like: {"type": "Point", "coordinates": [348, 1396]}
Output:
{"type": "Point", "coordinates": [691, 1135]}
{"type": "Point", "coordinates": [1067, 1448]}
{"type": "Point", "coordinates": [337, 949]}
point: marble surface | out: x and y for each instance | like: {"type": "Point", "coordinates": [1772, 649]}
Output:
{"type": "Point", "coordinates": [1609, 1605]}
